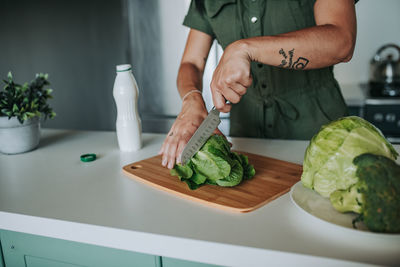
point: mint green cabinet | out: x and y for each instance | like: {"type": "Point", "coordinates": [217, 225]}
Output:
{"type": "Point", "coordinates": [170, 262]}
{"type": "Point", "coordinates": [39, 262]}
{"type": "Point", "coordinates": [25, 250]}
{"type": "Point", "coordinates": [1, 256]}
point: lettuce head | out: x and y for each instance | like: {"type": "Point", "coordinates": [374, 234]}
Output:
{"type": "Point", "coordinates": [328, 161]}
{"type": "Point", "coordinates": [215, 164]}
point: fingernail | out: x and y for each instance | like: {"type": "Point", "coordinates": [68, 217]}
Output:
{"type": "Point", "coordinates": [170, 165]}
{"type": "Point", "coordinates": [164, 162]}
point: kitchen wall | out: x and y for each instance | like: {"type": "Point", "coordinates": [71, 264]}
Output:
{"type": "Point", "coordinates": [79, 43]}
{"type": "Point", "coordinates": [378, 23]}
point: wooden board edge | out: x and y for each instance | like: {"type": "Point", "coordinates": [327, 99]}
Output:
{"type": "Point", "coordinates": [268, 157]}
{"type": "Point", "coordinates": [194, 199]}
{"type": "Point", "coordinates": [261, 204]}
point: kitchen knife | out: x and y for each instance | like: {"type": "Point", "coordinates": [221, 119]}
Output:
{"type": "Point", "coordinates": [201, 135]}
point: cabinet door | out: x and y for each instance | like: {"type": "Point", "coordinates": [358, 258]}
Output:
{"type": "Point", "coordinates": [1, 255]}
{"type": "Point", "coordinates": [39, 262]}
{"type": "Point", "coordinates": [170, 262]}
{"type": "Point", "coordinates": [25, 250]}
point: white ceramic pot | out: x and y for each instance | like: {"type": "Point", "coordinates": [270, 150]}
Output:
{"type": "Point", "coordinates": [18, 138]}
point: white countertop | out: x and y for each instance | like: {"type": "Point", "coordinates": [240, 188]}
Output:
{"type": "Point", "coordinates": [50, 192]}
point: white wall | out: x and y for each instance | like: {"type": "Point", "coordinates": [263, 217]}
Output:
{"type": "Point", "coordinates": [378, 23]}
{"type": "Point", "coordinates": [173, 39]}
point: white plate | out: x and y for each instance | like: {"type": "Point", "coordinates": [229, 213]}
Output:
{"type": "Point", "coordinates": [316, 205]}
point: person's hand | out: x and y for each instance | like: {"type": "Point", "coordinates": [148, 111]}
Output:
{"type": "Point", "coordinates": [232, 76]}
{"type": "Point", "coordinates": [189, 119]}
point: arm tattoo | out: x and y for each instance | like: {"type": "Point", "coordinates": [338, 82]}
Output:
{"type": "Point", "coordinates": [299, 64]}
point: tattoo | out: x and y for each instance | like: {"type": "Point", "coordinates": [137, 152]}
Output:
{"type": "Point", "coordinates": [299, 64]}
{"type": "Point", "coordinates": [283, 63]}
{"type": "Point", "coordinates": [291, 57]}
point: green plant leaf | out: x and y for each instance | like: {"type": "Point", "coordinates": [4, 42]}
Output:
{"type": "Point", "coordinates": [27, 100]}
{"type": "Point", "coordinates": [10, 77]}
{"type": "Point", "coordinates": [30, 114]}
{"type": "Point", "coordinates": [15, 108]}
{"type": "Point", "coordinates": [24, 87]}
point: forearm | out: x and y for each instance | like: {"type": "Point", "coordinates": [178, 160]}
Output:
{"type": "Point", "coordinates": [189, 78]}
{"type": "Point", "coordinates": [309, 48]}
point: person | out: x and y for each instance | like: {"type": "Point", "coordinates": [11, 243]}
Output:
{"type": "Point", "coordinates": [276, 70]}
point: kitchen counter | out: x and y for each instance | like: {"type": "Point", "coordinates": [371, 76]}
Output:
{"type": "Point", "coordinates": [50, 192]}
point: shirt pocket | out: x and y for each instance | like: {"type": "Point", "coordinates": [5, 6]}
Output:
{"type": "Point", "coordinates": [223, 20]}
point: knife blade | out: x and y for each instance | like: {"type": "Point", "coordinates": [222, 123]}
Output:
{"type": "Point", "coordinates": [201, 135]}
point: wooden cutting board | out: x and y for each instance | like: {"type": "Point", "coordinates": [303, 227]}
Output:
{"type": "Point", "coordinates": [273, 178]}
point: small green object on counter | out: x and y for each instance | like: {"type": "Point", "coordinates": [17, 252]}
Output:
{"type": "Point", "coordinates": [88, 157]}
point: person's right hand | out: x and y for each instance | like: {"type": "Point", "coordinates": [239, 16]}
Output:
{"type": "Point", "coordinates": [189, 119]}
{"type": "Point", "coordinates": [232, 76]}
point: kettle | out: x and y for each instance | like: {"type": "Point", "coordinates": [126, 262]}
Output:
{"type": "Point", "coordinates": [385, 70]}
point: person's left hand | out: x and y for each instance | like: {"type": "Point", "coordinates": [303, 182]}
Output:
{"type": "Point", "coordinates": [232, 76]}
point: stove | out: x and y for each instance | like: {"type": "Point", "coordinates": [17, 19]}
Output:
{"type": "Point", "coordinates": [382, 108]}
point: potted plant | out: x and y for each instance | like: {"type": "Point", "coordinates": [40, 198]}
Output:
{"type": "Point", "coordinates": [21, 107]}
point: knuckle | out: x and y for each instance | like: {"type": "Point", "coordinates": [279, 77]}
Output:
{"type": "Point", "coordinates": [182, 144]}
{"type": "Point", "coordinates": [171, 153]}
{"type": "Point", "coordinates": [219, 106]}
{"type": "Point", "coordinates": [239, 74]}
{"type": "Point", "coordinates": [248, 81]}
{"type": "Point", "coordinates": [212, 84]}
{"type": "Point", "coordinates": [235, 99]}
{"type": "Point", "coordinates": [219, 85]}
{"type": "Point", "coordinates": [229, 80]}
{"type": "Point", "coordinates": [177, 129]}
{"type": "Point", "coordinates": [242, 91]}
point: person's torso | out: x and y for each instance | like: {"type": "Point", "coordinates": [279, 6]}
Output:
{"type": "Point", "coordinates": [280, 103]}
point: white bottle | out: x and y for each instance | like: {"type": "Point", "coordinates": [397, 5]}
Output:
{"type": "Point", "coordinates": [128, 124]}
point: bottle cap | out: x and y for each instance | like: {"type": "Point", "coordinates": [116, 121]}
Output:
{"type": "Point", "coordinates": [88, 157]}
{"type": "Point", "coordinates": [124, 67]}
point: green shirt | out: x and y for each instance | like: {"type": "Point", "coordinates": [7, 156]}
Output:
{"type": "Point", "coordinates": [280, 103]}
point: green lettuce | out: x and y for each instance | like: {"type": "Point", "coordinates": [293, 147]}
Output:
{"type": "Point", "coordinates": [215, 164]}
{"type": "Point", "coordinates": [328, 161]}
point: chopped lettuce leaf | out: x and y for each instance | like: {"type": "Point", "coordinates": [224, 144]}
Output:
{"type": "Point", "coordinates": [215, 164]}
{"type": "Point", "coordinates": [235, 177]}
